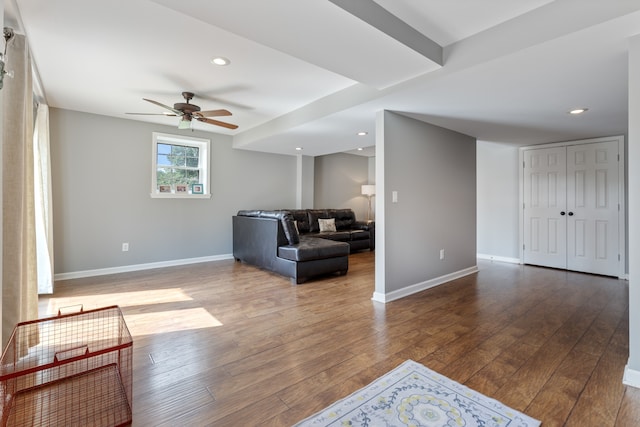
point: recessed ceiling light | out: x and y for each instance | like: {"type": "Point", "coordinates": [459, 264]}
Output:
{"type": "Point", "coordinates": [578, 111]}
{"type": "Point", "coordinates": [360, 148]}
{"type": "Point", "coordinates": [362, 133]}
{"type": "Point", "coordinates": [298, 148]}
{"type": "Point", "coordinates": [219, 60]}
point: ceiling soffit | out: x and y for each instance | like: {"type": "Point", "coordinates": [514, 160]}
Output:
{"type": "Point", "coordinates": [348, 46]}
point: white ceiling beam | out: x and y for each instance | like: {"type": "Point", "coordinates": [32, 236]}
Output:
{"type": "Point", "coordinates": [378, 17]}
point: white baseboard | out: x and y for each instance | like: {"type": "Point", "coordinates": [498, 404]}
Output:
{"type": "Point", "coordinates": [139, 267]}
{"type": "Point", "coordinates": [498, 258]}
{"type": "Point", "coordinates": [517, 261]}
{"type": "Point", "coordinates": [418, 287]}
{"type": "Point", "coordinates": [631, 377]}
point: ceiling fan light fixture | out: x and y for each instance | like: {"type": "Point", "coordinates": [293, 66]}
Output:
{"type": "Point", "coordinates": [185, 123]}
{"type": "Point", "coordinates": [220, 60]}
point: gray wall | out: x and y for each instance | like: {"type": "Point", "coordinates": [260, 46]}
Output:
{"type": "Point", "coordinates": [338, 180]}
{"type": "Point", "coordinates": [633, 157]}
{"type": "Point", "coordinates": [101, 186]}
{"type": "Point", "coordinates": [497, 199]}
{"type": "Point", "coordinates": [372, 170]}
{"type": "Point", "coordinates": [434, 172]}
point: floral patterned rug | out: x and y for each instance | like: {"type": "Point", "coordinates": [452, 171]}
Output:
{"type": "Point", "coordinates": [413, 395]}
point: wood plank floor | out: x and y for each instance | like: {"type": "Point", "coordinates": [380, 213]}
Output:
{"type": "Point", "coordinates": [226, 344]}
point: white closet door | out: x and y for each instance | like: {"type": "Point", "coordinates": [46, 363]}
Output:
{"type": "Point", "coordinates": [592, 208]}
{"type": "Point", "coordinates": [545, 234]}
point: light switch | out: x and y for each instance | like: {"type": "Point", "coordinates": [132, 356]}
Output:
{"type": "Point", "coordinates": [394, 197]}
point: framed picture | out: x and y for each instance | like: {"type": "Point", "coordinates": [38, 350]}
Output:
{"type": "Point", "coordinates": [197, 189]}
{"type": "Point", "coordinates": [164, 189]}
{"type": "Point", "coordinates": [182, 188]}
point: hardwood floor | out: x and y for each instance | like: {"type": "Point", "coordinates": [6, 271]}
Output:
{"type": "Point", "coordinates": [226, 344]}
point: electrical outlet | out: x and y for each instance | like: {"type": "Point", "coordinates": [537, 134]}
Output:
{"type": "Point", "coordinates": [125, 247]}
{"type": "Point", "coordinates": [441, 253]}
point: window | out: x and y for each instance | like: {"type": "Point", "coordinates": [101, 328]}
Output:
{"type": "Point", "coordinates": [180, 166]}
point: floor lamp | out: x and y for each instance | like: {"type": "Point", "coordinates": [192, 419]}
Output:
{"type": "Point", "coordinates": [369, 190]}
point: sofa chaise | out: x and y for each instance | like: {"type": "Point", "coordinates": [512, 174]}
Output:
{"type": "Point", "coordinates": [292, 242]}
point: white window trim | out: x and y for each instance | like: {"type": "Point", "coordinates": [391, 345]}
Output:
{"type": "Point", "coordinates": [203, 144]}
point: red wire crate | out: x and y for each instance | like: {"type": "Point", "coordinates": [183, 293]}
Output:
{"type": "Point", "coordinates": [78, 374]}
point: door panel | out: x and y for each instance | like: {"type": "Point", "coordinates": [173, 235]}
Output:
{"type": "Point", "coordinates": [592, 197]}
{"type": "Point", "coordinates": [544, 200]}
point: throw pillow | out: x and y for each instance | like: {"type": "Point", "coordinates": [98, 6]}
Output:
{"type": "Point", "coordinates": [327, 224]}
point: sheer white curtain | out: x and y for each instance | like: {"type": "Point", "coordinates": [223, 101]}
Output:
{"type": "Point", "coordinates": [19, 271]}
{"type": "Point", "coordinates": [43, 204]}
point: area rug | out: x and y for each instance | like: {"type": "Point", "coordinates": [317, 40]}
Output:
{"type": "Point", "coordinates": [413, 395]}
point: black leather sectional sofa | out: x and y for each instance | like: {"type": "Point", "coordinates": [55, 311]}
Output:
{"type": "Point", "coordinates": [291, 242]}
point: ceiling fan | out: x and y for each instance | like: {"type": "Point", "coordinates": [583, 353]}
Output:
{"type": "Point", "coordinates": [188, 112]}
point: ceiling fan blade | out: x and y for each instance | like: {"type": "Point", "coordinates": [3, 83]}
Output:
{"type": "Point", "coordinates": [153, 114]}
{"type": "Point", "coordinates": [217, 123]}
{"type": "Point", "coordinates": [177, 112]}
{"type": "Point", "coordinates": [213, 113]}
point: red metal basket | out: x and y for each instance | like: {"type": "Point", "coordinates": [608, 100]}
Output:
{"type": "Point", "coordinates": [79, 373]}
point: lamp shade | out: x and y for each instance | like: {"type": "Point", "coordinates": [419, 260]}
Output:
{"type": "Point", "coordinates": [368, 190]}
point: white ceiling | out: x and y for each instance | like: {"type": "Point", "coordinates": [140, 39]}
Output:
{"type": "Point", "coordinates": [310, 74]}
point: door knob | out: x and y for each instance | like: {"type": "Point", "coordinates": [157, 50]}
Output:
{"type": "Point", "coordinates": [570, 213]}
{"type": "Point", "coordinates": [562, 213]}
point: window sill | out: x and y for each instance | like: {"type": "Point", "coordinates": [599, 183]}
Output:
{"type": "Point", "coordinates": [179, 196]}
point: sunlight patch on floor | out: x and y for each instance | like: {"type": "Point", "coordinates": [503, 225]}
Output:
{"type": "Point", "coordinates": [170, 321]}
{"type": "Point", "coordinates": [122, 299]}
